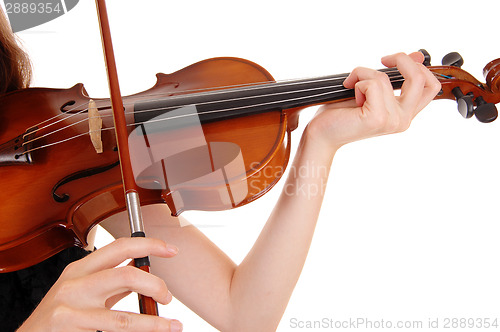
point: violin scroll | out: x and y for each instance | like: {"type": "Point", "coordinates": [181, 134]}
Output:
{"type": "Point", "coordinates": [492, 74]}
{"type": "Point", "coordinates": [472, 96]}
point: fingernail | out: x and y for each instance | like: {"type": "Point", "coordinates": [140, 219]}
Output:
{"type": "Point", "coordinates": [175, 326]}
{"type": "Point", "coordinates": [172, 249]}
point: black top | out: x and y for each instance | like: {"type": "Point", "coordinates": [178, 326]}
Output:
{"type": "Point", "coordinates": [21, 291]}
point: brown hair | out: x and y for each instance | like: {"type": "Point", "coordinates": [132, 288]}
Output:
{"type": "Point", "coordinates": [15, 65]}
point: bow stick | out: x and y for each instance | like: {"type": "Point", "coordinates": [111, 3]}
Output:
{"type": "Point", "coordinates": [146, 304]}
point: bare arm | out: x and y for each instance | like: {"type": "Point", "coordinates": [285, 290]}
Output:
{"type": "Point", "coordinates": [253, 295]}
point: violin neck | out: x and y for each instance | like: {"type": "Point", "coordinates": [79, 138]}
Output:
{"type": "Point", "coordinates": [251, 99]}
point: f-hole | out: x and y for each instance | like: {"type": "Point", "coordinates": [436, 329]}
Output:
{"type": "Point", "coordinates": [66, 104]}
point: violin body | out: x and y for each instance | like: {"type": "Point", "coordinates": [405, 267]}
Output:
{"type": "Point", "coordinates": [42, 226]}
{"type": "Point", "coordinates": [53, 196]}
{"type": "Point", "coordinates": [212, 136]}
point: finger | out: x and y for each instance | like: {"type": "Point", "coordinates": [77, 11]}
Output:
{"type": "Point", "coordinates": [412, 89]}
{"type": "Point", "coordinates": [342, 104]}
{"type": "Point", "coordinates": [374, 110]}
{"type": "Point", "coordinates": [362, 74]}
{"type": "Point", "coordinates": [117, 252]}
{"type": "Point", "coordinates": [417, 57]}
{"type": "Point", "coordinates": [112, 282]}
{"type": "Point", "coordinates": [392, 60]}
{"type": "Point", "coordinates": [110, 302]}
{"type": "Point", "coordinates": [431, 88]}
{"type": "Point", "coordinates": [432, 85]}
{"type": "Point", "coordinates": [117, 298]}
{"type": "Point", "coordinates": [115, 321]}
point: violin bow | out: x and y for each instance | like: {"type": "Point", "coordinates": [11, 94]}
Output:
{"type": "Point", "coordinates": [146, 304]}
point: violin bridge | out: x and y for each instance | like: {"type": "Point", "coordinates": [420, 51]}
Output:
{"type": "Point", "coordinates": [95, 126]}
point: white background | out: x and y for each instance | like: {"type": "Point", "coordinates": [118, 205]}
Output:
{"type": "Point", "coordinates": [409, 229]}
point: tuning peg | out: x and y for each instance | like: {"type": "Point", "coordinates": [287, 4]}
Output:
{"type": "Point", "coordinates": [465, 104]}
{"type": "Point", "coordinates": [485, 112]}
{"type": "Point", "coordinates": [427, 57]}
{"type": "Point", "coordinates": [453, 59]}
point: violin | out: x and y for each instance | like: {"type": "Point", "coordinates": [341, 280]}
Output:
{"type": "Point", "coordinates": [206, 137]}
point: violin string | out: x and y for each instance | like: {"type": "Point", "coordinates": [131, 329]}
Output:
{"type": "Point", "coordinates": [206, 112]}
{"type": "Point", "coordinates": [224, 89]}
{"type": "Point", "coordinates": [201, 91]}
{"type": "Point", "coordinates": [179, 106]}
{"type": "Point", "coordinates": [150, 121]}
{"type": "Point", "coordinates": [239, 99]}
{"type": "Point", "coordinates": [170, 118]}
{"type": "Point", "coordinates": [60, 141]}
{"type": "Point", "coordinates": [139, 123]}
{"type": "Point", "coordinates": [151, 110]}
{"type": "Point", "coordinates": [175, 117]}
{"type": "Point", "coordinates": [261, 86]}
{"type": "Point", "coordinates": [210, 91]}
{"type": "Point", "coordinates": [270, 84]}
